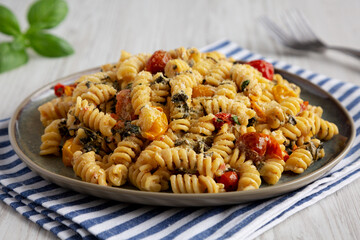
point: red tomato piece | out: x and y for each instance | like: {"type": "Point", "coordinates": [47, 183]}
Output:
{"type": "Point", "coordinates": [157, 61]}
{"type": "Point", "coordinates": [259, 146]}
{"type": "Point", "coordinates": [220, 119]}
{"type": "Point", "coordinates": [273, 149]}
{"type": "Point", "coordinates": [254, 144]}
{"type": "Point", "coordinates": [266, 68]}
{"type": "Point", "coordinates": [286, 156]}
{"type": "Point", "coordinates": [123, 108]}
{"type": "Point", "coordinates": [59, 89]}
{"type": "Point", "coordinates": [230, 179]}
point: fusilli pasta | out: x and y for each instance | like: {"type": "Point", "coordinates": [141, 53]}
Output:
{"type": "Point", "coordinates": [184, 124]}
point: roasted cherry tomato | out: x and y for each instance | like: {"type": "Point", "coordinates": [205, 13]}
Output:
{"type": "Point", "coordinates": [266, 68]}
{"type": "Point", "coordinates": [273, 149]}
{"type": "Point", "coordinates": [258, 146]}
{"type": "Point", "coordinates": [254, 144]}
{"type": "Point", "coordinates": [157, 61]}
{"type": "Point", "coordinates": [230, 179]}
{"type": "Point", "coordinates": [68, 151]}
{"type": "Point", "coordinates": [220, 119]}
{"type": "Point", "coordinates": [159, 126]}
{"type": "Point", "coordinates": [123, 108]}
{"type": "Point", "coordinates": [69, 89]}
{"type": "Point", "coordinates": [59, 89]}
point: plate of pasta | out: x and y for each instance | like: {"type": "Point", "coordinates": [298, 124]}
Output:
{"type": "Point", "coordinates": [181, 128]}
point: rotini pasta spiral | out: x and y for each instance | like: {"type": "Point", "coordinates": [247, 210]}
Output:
{"type": "Point", "coordinates": [217, 56]}
{"type": "Point", "coordinates": [299, 160]}
{"type": "Point", "coordinates": [131, 67]}
{"type": "Point", "coordinates": [184, 121]}
{"type": "Point", "coordinates": [224, 143]}
{"type": "Point", "coordinates": [315, 109]}
{"type": "Point", "coordinates": [141, 91]}
{"type": "Point", "coordinates": [187, 160]}
{"type": "Point", "coordinates": [275, 115]}
{"type": "Point", "coordinates": [98, 77]}
{"type": "Point", "coordinates": [204, 66]}
{"type": "Point", "coordinates": [291, 105]}
{"type": "Point", "coordinates": [180, 125]}
{"type": "Point", "coordinates": [116, 175]}
{"type": "Point", "coordinates": [126, 151]}
{"type": "Point", "coordinates": [95, 93]}
{"type": "Point", "coordinates": [85, 167]}
{"type": "Point", "coordinates": [218, 73]}
{"type": "Point", "coordinates": [327, 130]}
{"type": "Point", "coordinates": [175, 67]}
{"type": "Point", "coordinates": [93, 118]}
{"type": "Point", "coordinates": [55, 109]}
{"type": "Point", "coordinates": [163, 142]}
{"type": "Point", "coordinates": [299, 126]}
{"type": "Point", "coordinates": [142, 178]}
{"type": "Point", "coordinates": [192, 184]}
{"type": "Point", "coordinates": [247, 79]}
{"type": "Point", "coordinates": [315, 121]}
{"type": "Point", "coordinates": [185, 54]}
{"type": "Point", "coordinates": [204, 125]}
{"type": "Point", "coordinates": [160, 89]}
{"type": "Point", "coordinates": [223, 104]}
{"type": "Point", "coordinates": [271, 170]}
{"type": "Point", "coordinates": [51, 139]}
{"type": "Point", "coordinates": [249, 177]}
{"type": "Point", "coordinates": [237, 158]}
{"type": "Point", "coordinates": [227, 88]}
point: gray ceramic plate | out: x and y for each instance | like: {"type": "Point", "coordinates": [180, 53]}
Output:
{"type": "Point", "coordinates": [25, 130]}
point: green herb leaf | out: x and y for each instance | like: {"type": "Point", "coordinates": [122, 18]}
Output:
{"type": "Point", "coordinates": [45, 14]}
{"type": "Point", "coordinates": [292, 120]}
{"type": "Point", "coordinates": [11, 57]}
{"type": "Point", "coordinates": [49, 45]}
{"type": "Point", "coordinates": [251, 122]}
{"type": "Point", "coordinates": [235, 119]}
{"type": "Point", "coordinates": [8, 22]}
{"type": "Point", "coordinates": [244, 84]}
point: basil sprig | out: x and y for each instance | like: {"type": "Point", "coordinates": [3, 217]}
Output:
{"type": "Point", "coordinates": [42, 15]}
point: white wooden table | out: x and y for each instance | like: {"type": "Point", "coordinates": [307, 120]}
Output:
{"type": "Point", "coordinates": [99, 30]}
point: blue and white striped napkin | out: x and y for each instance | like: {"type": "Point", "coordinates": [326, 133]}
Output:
{"type": "Point", "coordinates": [70, 215]}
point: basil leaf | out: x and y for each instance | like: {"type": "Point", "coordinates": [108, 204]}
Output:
{"type": "Point", "coordinates": [244, 84]}
{"type": "Point", "coordinates": [49, 45]}
{"type": "Point", "coordinates": [11, 57]}
{"type": "Point", "coordinates": [251, 122]}
{"type": "Point", "coordinates": [8, 22]}
{"type": "Point", "coordinates": [45, 14]}
{"type": "Point", "coordinates": [235, 119]}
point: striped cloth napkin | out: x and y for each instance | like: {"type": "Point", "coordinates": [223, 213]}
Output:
{"type": "Point", "coordinates": [70, 215]}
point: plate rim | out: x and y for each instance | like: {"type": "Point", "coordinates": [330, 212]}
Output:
{"type": "Point", "coordinates": [208, 199]}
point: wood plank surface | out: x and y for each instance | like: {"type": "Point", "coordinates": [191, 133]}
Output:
{"type": "Point", "coordinates": [99, 30]}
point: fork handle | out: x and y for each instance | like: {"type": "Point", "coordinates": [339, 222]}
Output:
{"type": "Point", "coordinates": [348, 51]}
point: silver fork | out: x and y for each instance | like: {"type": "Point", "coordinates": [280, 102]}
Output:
{"type": "Point", "coordinates": [300, 36]}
